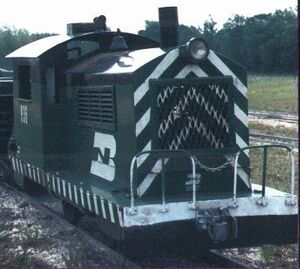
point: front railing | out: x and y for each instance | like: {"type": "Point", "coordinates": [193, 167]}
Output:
{"type": "Point", "coordinates": [163, 155]}
{"type": "Point", "coordinates": [290, 199]}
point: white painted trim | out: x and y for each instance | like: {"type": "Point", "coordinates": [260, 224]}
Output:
{"type": "Point", "coordinates": [21, 167]}
{"type": "Point", "coordinates": [58, 186]}
{"type": "Point", "coordinates": [53, 183]}
{"type": "Point", "coordinates": [103, 208]}
{"type": "Point", "coordinates": [48, 179]}
{"type": "Point", "coordinates": [75, 194]}
{"type": "Point", "coordinates": [29, 171]}
{"type": "Point", "coordinates": [88, 198]}
{"type": "Point", "coordinates": [82, 197]}
{"type": "Point", "coordinates": [111, 212]}
{"type": "Point", "coordinates": [151, 214]}
{"type": "Point", "coordinates": [33, 173]}
{"type": "Point", "coordinates": [157, 72]}
{"type": "Point", "coordinates": [191, 68]}
{"type": "Point", "coordinates": [120, 216]}
{"type": "Point", "coordinates": [13, 163]}
{"type": "Point", "coordinates": [64, 188]}
{"type": "Point", "coordinates": [70, 191]}
{"type": "Point", "coordinates": [96, 204]}
{"type": "Point", "coordinates": [17, 166]}
{"type": "Point", "coordinates": [38, 175]}
{"type": "Point", "coordinates": [218, 63]}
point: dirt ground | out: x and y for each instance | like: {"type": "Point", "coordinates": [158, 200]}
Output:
{"type": "Point", "coordinates": [31, 239]}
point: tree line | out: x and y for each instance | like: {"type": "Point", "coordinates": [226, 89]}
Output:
{"type": "Point", "coordinates": [12, 39]}
{"type": "Point", "coordinates": [264, 43]}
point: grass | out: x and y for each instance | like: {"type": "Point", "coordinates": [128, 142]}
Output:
{"type": "Point", "coordinates": [279, 129]}
{"type": "Point", "coordinates": [273, 93]}
{"type": "Point", "coordinates": [278, 168]}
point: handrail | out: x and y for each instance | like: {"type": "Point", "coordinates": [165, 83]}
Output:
{"type": "Point", "coordinates": [290, 199]}
{"type": "Point", "coordinates": [165, 152]}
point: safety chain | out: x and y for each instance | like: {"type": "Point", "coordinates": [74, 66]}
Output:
{"type": "Point", "coordinates": [213, 169]}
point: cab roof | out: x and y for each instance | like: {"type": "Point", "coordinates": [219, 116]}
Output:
{"type": "Point", "coordinates": [37, 48]}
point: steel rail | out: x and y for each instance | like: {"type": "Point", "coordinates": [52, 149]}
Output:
{"type": "Point", "coordinates": [291, 118]}
{"type": "Point", "coordinates": [114, 256]}
{"type": "Point", "coordinates": [280, 139]}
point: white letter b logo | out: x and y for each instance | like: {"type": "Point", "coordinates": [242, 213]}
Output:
{"type": "Point", "coordinates": [104, 166]}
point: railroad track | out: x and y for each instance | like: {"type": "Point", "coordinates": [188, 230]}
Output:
{"type": "Point", "coordinates": [293, 142]}
{"type": "Point", "coordinates": [210, 259]}
{"type": "Point", "coordinates": [290, 118]}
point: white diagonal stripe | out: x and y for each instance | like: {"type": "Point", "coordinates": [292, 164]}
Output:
{"type": "Point", "coordinates": [242, 174]}
{"type": "Point", "coordinates": [150, 177]}
{"type": "Point", "coordinates": [241, 115]}
{"type": "Point", "coordinates": [142, 122]}
{"type": "Point", "coordinates": [143, 157]}
{"type": "Point", "coordinates": [157, 72]}
{"type": "Point", "coordinates": [241, 143]}
{"type": "Point", "coordinates": [223, 68]}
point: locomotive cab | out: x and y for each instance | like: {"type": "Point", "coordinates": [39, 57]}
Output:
{"type": "Point", "coordinates": [139, 134]}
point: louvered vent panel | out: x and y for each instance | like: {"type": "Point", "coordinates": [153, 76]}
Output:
{"type": "Point", "coordinates": [96, 106]}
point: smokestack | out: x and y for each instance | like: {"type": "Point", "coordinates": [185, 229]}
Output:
{"type": "Point", "coordinates": [168, 23]}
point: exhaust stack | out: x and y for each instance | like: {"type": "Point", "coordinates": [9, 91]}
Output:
{"type": "Point", "coordinates": [168, 23]}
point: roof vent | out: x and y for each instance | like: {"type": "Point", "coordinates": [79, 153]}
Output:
{"type": "Point", "coordinates": [118, 42]}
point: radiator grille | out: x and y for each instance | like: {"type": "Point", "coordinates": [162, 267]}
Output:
{"type": "Point", "coordinates": [96, 106]}
{"type": "Point", "coordinates": [193, 116]}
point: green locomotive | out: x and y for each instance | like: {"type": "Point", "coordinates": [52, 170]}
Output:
{"type": "Point", "coordinates": [143, 135]}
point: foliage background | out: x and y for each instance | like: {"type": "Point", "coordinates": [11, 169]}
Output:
{"type": "Point", "coordinates": [265, 43]}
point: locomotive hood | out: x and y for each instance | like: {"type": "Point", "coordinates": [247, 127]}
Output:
{"type": "Point", "coordinates": [116, 62]}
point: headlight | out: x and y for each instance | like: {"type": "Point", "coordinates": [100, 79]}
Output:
{"type": "Point", "coordinates": [196, 49]}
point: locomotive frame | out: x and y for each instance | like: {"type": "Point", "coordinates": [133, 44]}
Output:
{"type": "Point", "coordinates": [130, 131]}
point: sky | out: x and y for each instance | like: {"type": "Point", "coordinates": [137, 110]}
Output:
{"type": "Point", "coordinates": [38, 16]}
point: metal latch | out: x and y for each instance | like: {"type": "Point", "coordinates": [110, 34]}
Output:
{"type": "Point", "coordinates": [217, 223]}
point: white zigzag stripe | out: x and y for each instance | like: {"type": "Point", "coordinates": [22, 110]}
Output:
{"type": "Point", "coordinates": [184, 102]}
{"type": "Point", "coordinates": [167, 92]}
{"type": "Point", "coordinates": [194, 124]}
